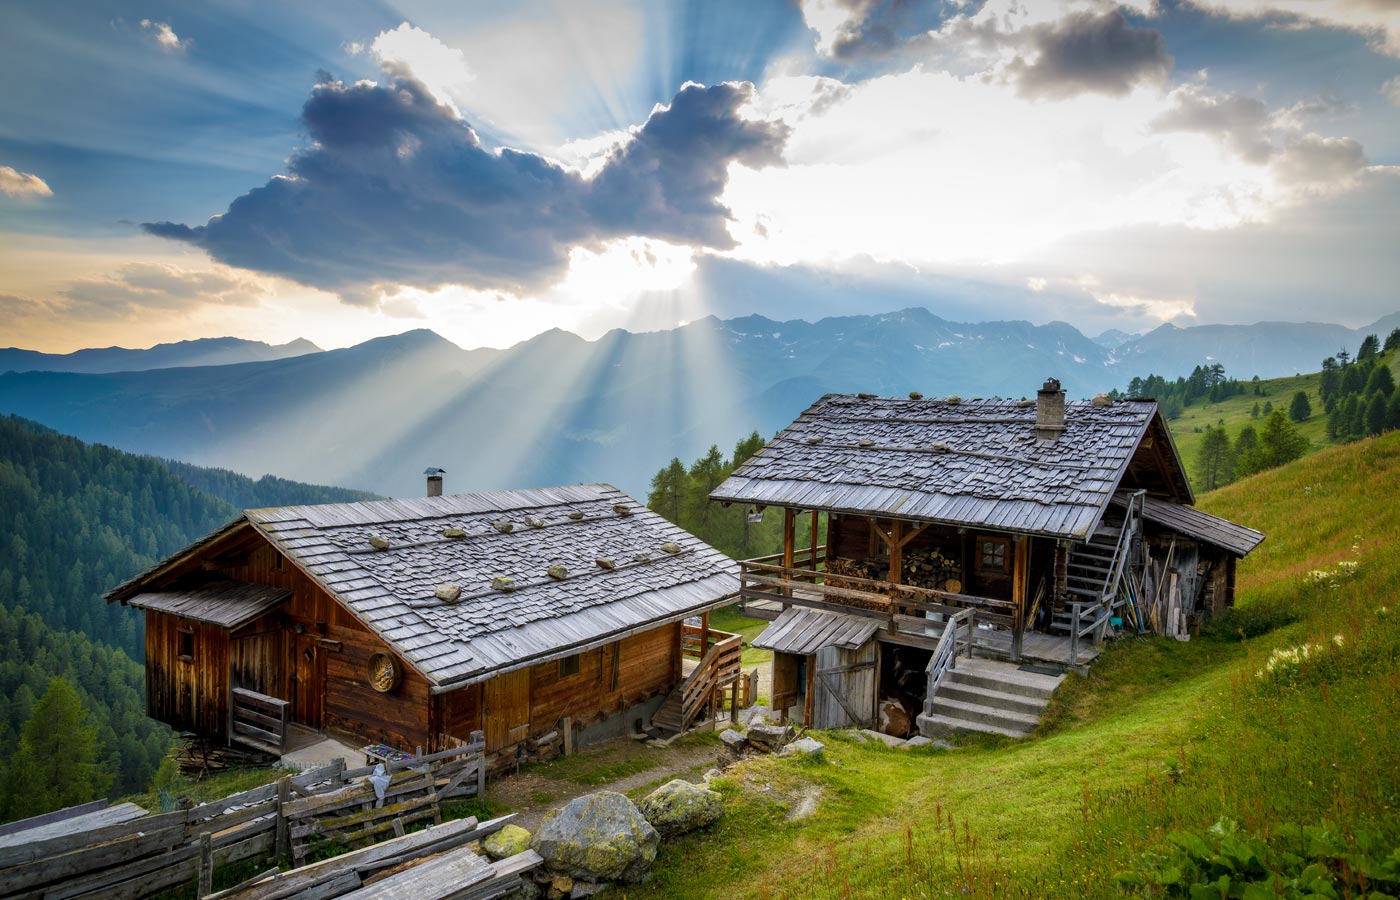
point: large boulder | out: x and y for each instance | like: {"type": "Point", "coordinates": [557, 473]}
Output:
{"type": "Point", "coordinates": [597, 837]}
{"type": "Point", "coordinates": [679, 806]}
{"type": "Point", "coordinates": [807, 747]}
{"type": "Point", "coordinates": [509, 841]}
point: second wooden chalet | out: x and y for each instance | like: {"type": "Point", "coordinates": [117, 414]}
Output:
{"type": "Point", "coordinates": [415, 623]}
{"type": "Point", "coordinates": [1019, 530]}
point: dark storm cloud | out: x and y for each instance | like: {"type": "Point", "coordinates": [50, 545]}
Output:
{"type": "Point", "coordinates": [396, 189]}
{"type": "Point", "coordinates": [1087, 52]}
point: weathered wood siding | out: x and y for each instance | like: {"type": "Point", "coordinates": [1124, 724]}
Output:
{"type": "Point", "coordinates": [610, 680]}
{"type": "Point", "coordinates": [188, 694]}
{"type": "Point", "coordinates": [857, 687]}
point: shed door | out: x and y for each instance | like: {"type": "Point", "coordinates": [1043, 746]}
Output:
{"type": "Point", "coordinates": [309, 673]}
{"type": "Point", "coordinates": [506, 699]}
{"type": "Point", "coordinates": [787, 683]}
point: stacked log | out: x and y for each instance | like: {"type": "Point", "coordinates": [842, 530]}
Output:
{"type": "Point", "coordinates": [931, 568]}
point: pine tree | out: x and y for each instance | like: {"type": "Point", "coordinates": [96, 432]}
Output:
{"type": "Point", "coordinates": [667, 490]}
{"type": "Point", "coordinates": [1392, 412]}
{"type": "Point", "coordinates": [1254, 413]}
{"type": "Point", "coordinates": [1392, 340]}
{"type": "Point", "coordinates": [1268, 408]}
{"type": "Point", "coordinates": [1247, 456]}
{"type": "Point", "coordinates": [59, 762]}
{"type": "Point", "coordinates": [1375, 414]}
{"type": "Point", "coordinates": [1214, 459]}
{"type": "Point", "coordinates": [1370, 346]}
{"type": "Point", "coordinates": [1380, 381]}
{"type": "Point", "coordinates": [1300, 409]}
{"type": "Point", "coordinates": [1280, 441]}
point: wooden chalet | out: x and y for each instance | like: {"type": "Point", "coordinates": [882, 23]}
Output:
{"type": "Point", "coordinates": [538, 617]}
{"type": "Point", "coordinates": [1021, 530]}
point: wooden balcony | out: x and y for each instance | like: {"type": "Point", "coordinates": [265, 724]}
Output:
{"type": "Point", "coordinates": [909, 615]}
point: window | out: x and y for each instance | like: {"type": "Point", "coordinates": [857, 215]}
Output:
{"type": "Point", "coordinates": [568, 666]}
{"type": "Point", "coordinates": [184, 646]}
{"type": "Point", "coordinates": [993, 556]}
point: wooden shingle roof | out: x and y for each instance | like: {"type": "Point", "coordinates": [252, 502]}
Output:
{"type": "Point", "coordinates": [660, 573]}
{"type": "Point", "coordinates": [973, 462]}
{"type": "Point", "coordinates": [224, 603]}
{"type": "Point", "coordinates": [1238, 539]}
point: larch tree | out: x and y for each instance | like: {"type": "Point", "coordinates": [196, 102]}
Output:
{"type": "Point", "coordinates": [1300, 409]}
{"type": "Point", "coordinates": [1213, 464]}
{"type": "Point", "coordinates": [59, 762]}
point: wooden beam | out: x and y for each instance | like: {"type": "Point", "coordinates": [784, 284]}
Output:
{"type": "Point", "coordinates": [897, 552]}
{"type": "Point", "coordinates": [1020, 571]}
{"type": "Point", "coordinates": [811, 690]}
{"type": "Point", "coordinates": [812, 556]}
{"type": "Point", "coordinates": [789, 538]}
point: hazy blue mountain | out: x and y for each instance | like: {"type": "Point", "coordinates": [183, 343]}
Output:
{"type": "Point", "coordinates": [203, 352]}
{"type": "Point", "coordinates": [1113, 338]}
{"type": "Point", "coordinates": [560, 409]}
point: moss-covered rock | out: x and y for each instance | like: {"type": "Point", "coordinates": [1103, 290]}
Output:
{"type": "Point", "coordinates": [679, 806]}
{"type": "Point", "coordinates": [597, 837]}
{"type": "Point", "coordinates": [509, 841]}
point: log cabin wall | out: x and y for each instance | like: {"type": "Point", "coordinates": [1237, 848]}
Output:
{"type": "Point", "coordinates": [187, 674]}
{"type": "Point", "coordinates": [325, 653]}
{"type": "Point", "coordinates": [607, 680]}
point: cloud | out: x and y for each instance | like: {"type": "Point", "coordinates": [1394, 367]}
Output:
{"type": "Point", "coordinates": [22, 184]}
{"type": "Point", "coordinates": [1378, 20]}
{"type": "Point", "coordinates": [1240, 123]}
{"type": "Point", "coordinates": [1391, 90]}
{"type": "Point", "coordinates": [144, 287]}
{"type": "Point", "coordinates": [415, 52]}
{"type": "Point", "coordinates": [1260, 136]}
{"type": "Point", "coordinates": [396, 190]}
{"type": "Point", "coordinates": [853, 29]}
{"type": "Point", "coordinates": [1088, 52]}
{"type": "Point", "coordinates": [164, 36]}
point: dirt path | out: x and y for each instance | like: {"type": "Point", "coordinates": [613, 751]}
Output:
{"type": "Point", "coordinates": [621, 765]}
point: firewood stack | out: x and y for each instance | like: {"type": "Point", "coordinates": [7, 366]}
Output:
{"type": "Point", "coordinates": [921, 568]}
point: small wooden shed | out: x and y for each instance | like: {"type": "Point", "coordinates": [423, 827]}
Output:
{"type": "Point", "coordinates": [416, 622]}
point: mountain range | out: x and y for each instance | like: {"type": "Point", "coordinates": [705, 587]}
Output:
{"type": "Point", "coordinates": [202, 352]}
{"type": "Point", "coordinates": [559, 409]}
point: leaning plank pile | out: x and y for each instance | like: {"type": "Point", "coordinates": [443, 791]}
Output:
{"type": "Point", "coordinates": [125, 853]}
{"type": "Point", "coordinates": [433, 864]}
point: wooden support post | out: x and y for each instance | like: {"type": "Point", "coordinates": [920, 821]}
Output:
{"type": "Point", "coordinates": [568, 735]}
{"type": "Point", "coordinates": [897, 552]}
{"type": "Point", "coordinates": [704, 633]}
{"type": "Point", "coordinates": [734, 700]}
{"type": "Point", "coordinates": [206, 864]}
{"type": "Point", "coordinates": [789, 542]}
{"type": "Point", "coordinates": [1020, 570]}
{"type": "Point", "coordinates": [812, 556]}
{"type": "Point", "coordinates": [283, 846]}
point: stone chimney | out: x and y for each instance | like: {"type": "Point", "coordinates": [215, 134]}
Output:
{"type": "Point", "coordinates": [434, 480]}
{"type": "Point", "coordinates": [1049, 411]}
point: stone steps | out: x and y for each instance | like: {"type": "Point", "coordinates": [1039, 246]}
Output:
{"type": "Point", "coordinates": [988, 696]}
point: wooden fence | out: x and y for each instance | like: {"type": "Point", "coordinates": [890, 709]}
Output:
{"type": "Point", "coordinates": [144, 856]}
{"type": "Point", "coordinates": [258, 720]}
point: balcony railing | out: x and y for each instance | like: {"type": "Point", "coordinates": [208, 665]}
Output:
{"type": "Point", "coordinates": [904, 609]}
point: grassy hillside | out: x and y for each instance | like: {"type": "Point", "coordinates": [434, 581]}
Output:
{"type": "Point", "coordinates": [1161, 737]}
{"type": "Point", "coordinates": [1189, 428]}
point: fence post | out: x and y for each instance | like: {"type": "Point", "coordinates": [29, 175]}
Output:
{"type": "Point", "coordinates": [479, 737]}
{"type": "Point", "coordinates": [1074, 635]}
{"type": "Point", "coordinates": [284, 795]}
{"type": "Point", "coordinates": [206, 864]}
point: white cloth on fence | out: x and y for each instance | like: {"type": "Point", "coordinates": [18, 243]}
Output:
{"type": "Point", "coordinates": [379, 780]}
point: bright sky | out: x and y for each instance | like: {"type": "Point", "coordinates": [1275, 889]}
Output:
{"type": "Point", "coordinates": [338, 171]}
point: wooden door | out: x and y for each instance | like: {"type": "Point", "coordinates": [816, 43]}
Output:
{"type": "Point", "coordinates": [506, 709]}
{"type": "Point", "coordinates": [786, 684]}
{"type": "Point", "coordinates": [307, 689]}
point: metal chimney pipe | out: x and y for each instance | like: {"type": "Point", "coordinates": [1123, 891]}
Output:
{"type": "Point", "coordinates": [434, 480]}
{"type": "Point", "coordinates": [1049, 411]}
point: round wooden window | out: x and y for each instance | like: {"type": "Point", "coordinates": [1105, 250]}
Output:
{"type": "Point", "coordinates": [383, 672]}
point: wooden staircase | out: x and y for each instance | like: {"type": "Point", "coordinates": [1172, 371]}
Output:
{"type": "Point", "coordinates": [1090, 565]}
{"type": "Point", "coordinates": [719, 663]}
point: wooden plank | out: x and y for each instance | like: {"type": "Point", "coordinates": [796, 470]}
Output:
{"type": "Point", "coordinates": [58, 815]}
{"type": "Point", "coordinates": [66, 865]}
{"type": "Point", "coordinates": [442, 876]}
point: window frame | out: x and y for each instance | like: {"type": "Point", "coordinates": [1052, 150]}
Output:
{"type": "Point", "coordinates": [569, 666]}
{"type": "Point", "coordinates": [184, 636]}
{"type": "Point", "coordinates": [979, 555]}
